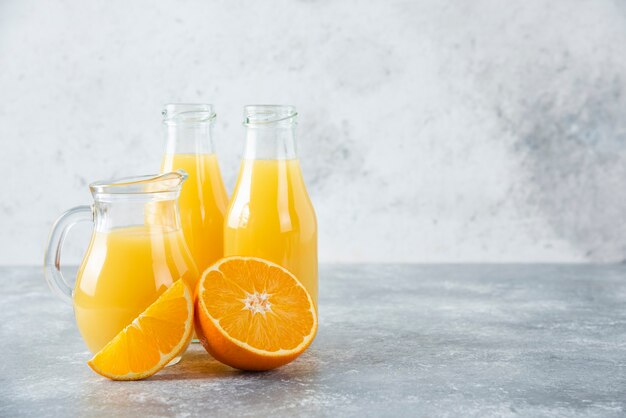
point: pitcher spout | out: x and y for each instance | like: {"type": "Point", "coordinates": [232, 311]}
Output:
{"type": "Point", "coordinates": [164, 186]}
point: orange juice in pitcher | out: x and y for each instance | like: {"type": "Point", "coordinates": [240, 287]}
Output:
{"type": "Point", "coordinates": [111, 291]}
{"type": "Point", "coordinates": [270, 214]}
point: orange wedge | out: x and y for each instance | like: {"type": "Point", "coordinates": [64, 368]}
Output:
{"type": "Point", "coordinates": [152, 340]}
{"type": "Point", "coordinates": [252, 314]}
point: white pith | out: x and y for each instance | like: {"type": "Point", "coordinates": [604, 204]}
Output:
{"type": "Point", "coordinates": [257, 303]}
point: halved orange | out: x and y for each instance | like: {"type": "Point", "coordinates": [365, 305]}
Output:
{"type": "Point", "coordinates": [152, 340]}
{"type": "Point", "coordinates": [252, 314]}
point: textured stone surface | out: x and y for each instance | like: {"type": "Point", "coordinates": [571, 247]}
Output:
{"type": "Point", "coordinates": [394, 340]}
{"type": "Point", "coordinates": [432, 131]}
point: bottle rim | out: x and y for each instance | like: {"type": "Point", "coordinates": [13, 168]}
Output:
{"type": "Point", "coordinates": [267, 115]}
{"type": "Point", "coordinates": [188, 113]}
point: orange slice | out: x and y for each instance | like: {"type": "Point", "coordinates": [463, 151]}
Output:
{"type": "Point", "coordinates": [252, 314]}
{"type": "Point", "coordinates": [152, 340]}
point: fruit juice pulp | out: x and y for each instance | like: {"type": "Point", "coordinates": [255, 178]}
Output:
{"type": "Point", "coordinates": [271, 216]}
{"type": "Point", "coordinates": [124, 271]}
{"type": "Point", "coordinates": [202, 202]}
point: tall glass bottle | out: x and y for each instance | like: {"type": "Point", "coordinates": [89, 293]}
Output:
{"type": "Point", "coordinates": [270, 214]}
{"type": "Point", "coordinates": [203, 199]}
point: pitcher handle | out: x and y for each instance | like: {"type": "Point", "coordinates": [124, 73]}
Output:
{"type": "Point", "coordinates": [52, 261]}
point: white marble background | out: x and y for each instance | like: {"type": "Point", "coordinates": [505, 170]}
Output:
{"type": "Point", "coordinates": [430, 131]}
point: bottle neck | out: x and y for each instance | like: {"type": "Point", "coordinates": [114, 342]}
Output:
{"type": "Point", "coordinates": [270, 143]}
{"type": "Point", "coordinates": [182, 138]}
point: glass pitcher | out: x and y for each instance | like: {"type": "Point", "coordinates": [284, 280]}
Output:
{"type": "Point", "coordinates": [270, 214]}
{"type": "Point", "coordinates": [203, 199]}
{"type": "Point", "coordinates": [136, 252]}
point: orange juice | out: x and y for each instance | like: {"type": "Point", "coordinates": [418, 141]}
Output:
{"type": "Point", "coordinates": [202, 203]}
{"type": "Point", "coordinates": [123, 272]}
{"type": "Point", "coordinates": [271, 216]}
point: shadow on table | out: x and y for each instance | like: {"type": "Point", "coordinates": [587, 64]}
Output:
{"type": "Point", "coordinates": [198, 364]}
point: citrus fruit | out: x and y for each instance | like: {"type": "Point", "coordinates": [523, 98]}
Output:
{"type": "Point", "coordinates": [152, 340]}
{"type": "Point", "coordinates": [252, 314]}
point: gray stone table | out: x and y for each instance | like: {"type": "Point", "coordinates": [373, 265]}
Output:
{"type": "Point", "coordinates": [394, 340]}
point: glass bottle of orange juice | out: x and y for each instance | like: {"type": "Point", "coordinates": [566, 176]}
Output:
{"type": "Point", "coordinates": [203, 199]}
{"type": "Point", "coordinates": [270, 214]}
